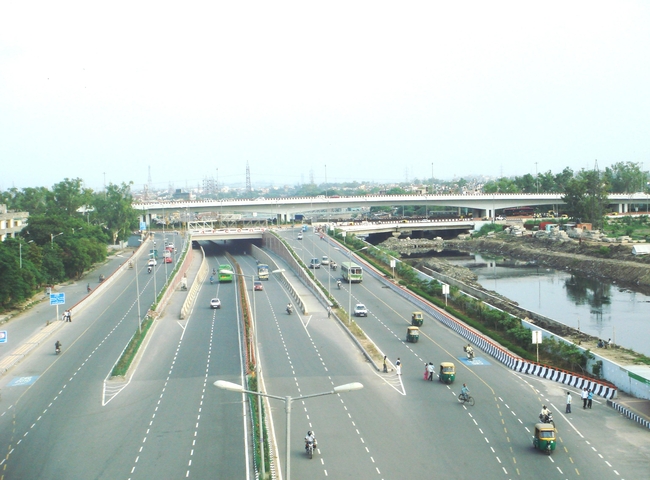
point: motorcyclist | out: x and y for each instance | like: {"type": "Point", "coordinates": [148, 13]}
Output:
{"type": "Point", "coordinates": [464, 391]}
{"type": "Point", "coordinates": [310, 438]}
{"type": "Point", "coordinates": [289, 308]}
{"type": "Point", "coordinates": [545, 414]}
{"type": "Point", "coordinates": [338, 284]}
{"type": "Point", "coordinates": [57, 347]}
{"type": "Point", "coordinates": [149, 269]}
{"type": "Point", "coordinates": [470, 351]}
{"type": "Point", "coordinates": [211, 279]}
{"type": "Point", "coordinates": [214, 272]}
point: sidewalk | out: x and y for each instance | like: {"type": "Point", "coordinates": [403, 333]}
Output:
{"type": "Point", "coordinates": [636, 409]}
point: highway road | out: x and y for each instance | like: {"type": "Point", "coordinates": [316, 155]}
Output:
{"type": "Point", "coordinates": [409, 425]}
{"type": "Point", "coordinates": [62, 419]}
{"type": "Point", "coordinates": [59, 418]}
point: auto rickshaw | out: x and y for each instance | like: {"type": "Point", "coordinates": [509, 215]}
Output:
{"type": "Point", "coordinates": [417, 319]}
{"type": "Point", "coordinates": [447, 372]}
{"type": "Point", "coordinates": [544, 438]}
{"type": "Point", "coordinates": [412, 334]}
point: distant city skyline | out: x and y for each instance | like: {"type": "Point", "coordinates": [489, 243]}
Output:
{"type": "Point", "coordinates": [375, 92]}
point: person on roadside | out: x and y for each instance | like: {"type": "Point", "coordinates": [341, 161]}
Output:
{"type": "Point", "coordinates": [590, 398]}
{"type": "Point", "coordinates": [430, 370]}
{"type": "Point", "coordinates": [385, 365]}
{"type": "Point", "coordinates": [584, 395]}
{"type": "Point", "coordinates": [398, 366]}
{"type": "Point", "coordinates": [568, 402]}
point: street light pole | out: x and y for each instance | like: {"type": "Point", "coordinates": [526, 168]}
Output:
{"type": "Point", "coordinates": [52, 236]}
{"type": "Point", "coordinates": [287, 406]}
{"type": "Point", "coordinates": [20, 251]}
{"type": "Point", "coordinates": [350, 252]}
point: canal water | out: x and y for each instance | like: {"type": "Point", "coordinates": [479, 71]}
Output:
{"type": "Point", "coordinates": [597, 307]}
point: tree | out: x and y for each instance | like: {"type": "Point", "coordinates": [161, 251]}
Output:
{"type": "Point", "coordinates": [67, 196]}
{"type": "Point", "coordinates": [501, 185]}
{"type": "Point", "coordinates": [626, 177]}
{"type": "Point", "coordinates": [114, 208]}
{"type": "Point", "coordinates": [586, 197]}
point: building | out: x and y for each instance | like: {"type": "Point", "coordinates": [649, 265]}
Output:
{"type": "Point", "coordinates": [11, 223]}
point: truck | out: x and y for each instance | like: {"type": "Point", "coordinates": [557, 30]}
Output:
{"type": "Point", "coordinates": [263, 271]}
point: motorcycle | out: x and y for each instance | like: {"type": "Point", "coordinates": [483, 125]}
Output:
{"type": "Point", "coordinates": [309, 448]}
{"type": "Point", "coordinates": [289, 309]}
{"type": "Point", "coordinates": [547, 419]}
{"type": "Point", "coordinates": [338, 284]}
{"type": "Point", "coordinates": [148, 269]}
{"type": "Point", "coordinates": [101, 278]}
{"type": "Point", "coordinates": [211, 280]}
{"type": "Point", "coordinates": [57, 348]}
{"type": "Point", "coordinates": [470, 352]}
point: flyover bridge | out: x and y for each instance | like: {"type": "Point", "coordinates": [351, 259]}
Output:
{"type": "Point", "coordinates": [284, 209]}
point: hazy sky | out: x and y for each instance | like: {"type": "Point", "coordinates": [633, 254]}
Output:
{"type": "Point", "coordinates": [377, 91]}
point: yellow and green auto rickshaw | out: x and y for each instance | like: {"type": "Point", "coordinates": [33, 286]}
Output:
{"type": "Point", "coordinates": [447, 372]}
{"type": "Point", "coordinates": [412, 334]}
{"type": "Point", "coordinates": [417, 319]}
{"type": "Point", "coordinates": [544, 438]}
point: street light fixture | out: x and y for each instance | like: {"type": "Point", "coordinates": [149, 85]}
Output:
{"type": "Point", "coordinates": [257, 361]}
{"type": "Point", "coordinates": [350, 252]}
{"type": "Point", "coordinates": [20, 251]}
{"type": "Point", "coordinates": [348, 387]}
{"type": "Point", "coordinates": [52, 237]}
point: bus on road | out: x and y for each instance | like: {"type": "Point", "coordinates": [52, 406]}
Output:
{"type": "Point", "coordinates": [223, 276]}
{"type": "Point", "coordinates": [263, 271]}
{"type": "Point", "coordinates": [352, 273]}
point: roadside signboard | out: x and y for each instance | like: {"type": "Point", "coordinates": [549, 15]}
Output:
{"type": "Point", "coordinates": [57, 298]}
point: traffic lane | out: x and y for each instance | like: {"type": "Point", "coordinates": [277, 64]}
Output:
{"type": "Point", "coordinates": [401, 425]}
{"type": "Point", "coordinates": [596, 440]}
{"type": "Point", "coordinates": [67, 397]}
{"type": "Point", "coordinates": [292, 366]}
{"type": "Point", "coordinates": [192, 420]}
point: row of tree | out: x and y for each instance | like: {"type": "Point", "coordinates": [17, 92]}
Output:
{"type": "Point", "coordinates": [68, 230]}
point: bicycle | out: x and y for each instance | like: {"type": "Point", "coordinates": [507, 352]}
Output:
{"type": "Point", "coordinates": [462, 398]}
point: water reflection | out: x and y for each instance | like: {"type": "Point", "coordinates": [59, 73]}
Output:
{"type": "Point", "coordinates": [588, 291]}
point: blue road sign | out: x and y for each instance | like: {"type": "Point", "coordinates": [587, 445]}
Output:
{"type": "Point", "coordinates": [477, 362]}
{"type": "Point", "coordinates": [3, 336]}
{"type": "Point", "coordinates": [22, 381]}
{"type": "Point", "coordinates": [57, 298]}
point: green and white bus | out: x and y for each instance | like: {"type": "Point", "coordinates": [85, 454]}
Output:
{"type": "Point", "coordinates": [351, 272]}
{"type": "Point", "coordinates": [225, 277]}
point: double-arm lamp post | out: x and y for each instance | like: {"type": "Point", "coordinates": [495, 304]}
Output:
{"type": "Point", "coordinates": [257, 360]}
{"type": "Point", "coordinates": [287, 406]}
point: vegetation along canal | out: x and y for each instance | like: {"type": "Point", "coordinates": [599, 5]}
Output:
{"type": "Point", "coordinates": [596, 306]}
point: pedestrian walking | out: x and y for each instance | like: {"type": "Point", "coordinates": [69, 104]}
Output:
{"type": "Point", "coordinates": [568, 402]}
{"type": "Point", "coordinates": [329, 312]}
{"type": "Point", "coordinates": [430, 371]}
{"type": "Point", "coordinates": [590, 398]}
{"type": "Point", "coordinates": [426, 371]}
{"type": "Point", "coordinates": [584, 394]}
{"type": "Point", "coordinates": [385, 366]}
{"type": "Point", "coordinates": [398, 366]}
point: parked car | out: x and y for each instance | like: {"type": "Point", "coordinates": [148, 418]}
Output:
{"type": "Point", "coordinates": [215, 303]}
{"type": "Point", "coordinates": [257, 285]}
{"type": "Point", "coordinates": [360, 310]}
{"type": "Point", "coordinates": [325, 260]}
{"type": "Point", "coordinates": [314, 263]}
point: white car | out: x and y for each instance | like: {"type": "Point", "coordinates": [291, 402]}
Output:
{"type": "Point", "coordinates": [215, 303]}
{"type": "Point", "coordinates": [325, 260]}
{"type": "Point", "coordinates": [360, 310]}
{"type": "Point", "coordinates": [152, 262]}
{"type": "Point", "coordinates": [300, 236]}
